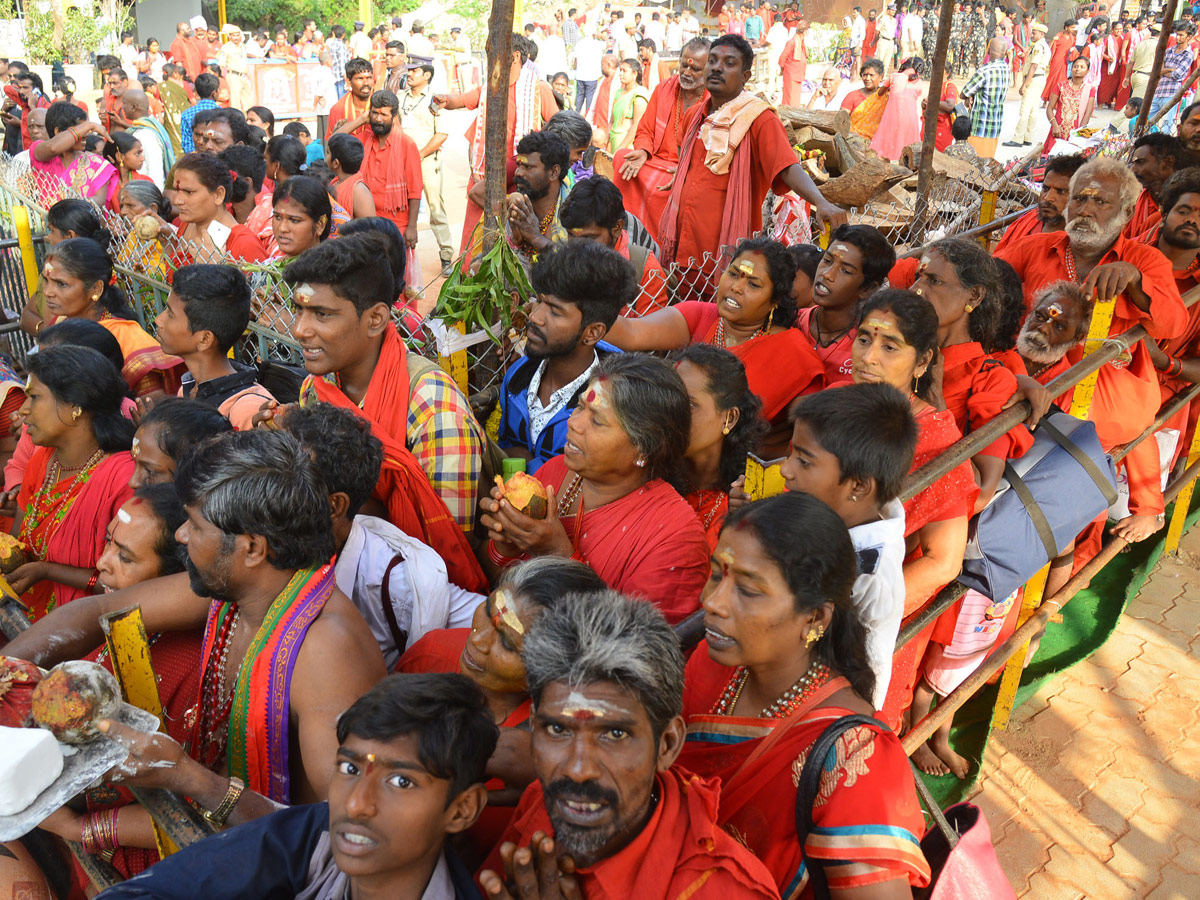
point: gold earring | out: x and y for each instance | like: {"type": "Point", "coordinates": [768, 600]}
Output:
{"type": "Point", "coordinates": [916, 382]}
{"type": "Point", "coordinates": [968, 309]}
{"type": "Point", "coordinates": [814, 635]}
{"type": "Point", "coordinates": [76, 413]}
{"type": "Point", "coordinates": [770, 319]}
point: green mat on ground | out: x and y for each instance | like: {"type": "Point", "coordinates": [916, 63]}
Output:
{"type": "Point", "coordinates": [1088, 620]}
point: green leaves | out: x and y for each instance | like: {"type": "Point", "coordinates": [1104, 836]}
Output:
{"type": "Point", "coordinates": [485, 300]}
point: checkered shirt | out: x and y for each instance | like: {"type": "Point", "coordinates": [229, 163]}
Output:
{"type": "Point", "coordinates": [447, 441]}
{"type": "Point", "coordinates": [991, 84]}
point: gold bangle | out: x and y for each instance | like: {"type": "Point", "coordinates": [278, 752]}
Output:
{"type": "Point", "coordinates": [221, 813]}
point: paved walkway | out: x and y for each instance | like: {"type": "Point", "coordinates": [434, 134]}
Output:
{"type": "Point", "coordinates": [1093, 791]}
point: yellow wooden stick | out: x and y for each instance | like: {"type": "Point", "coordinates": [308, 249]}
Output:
{"type": "Point", "coordinates": [129, 650]}
{"type": "Point", "coordinates": [29, 264]}
{"type": "Point", "coordinates": [1182, 502]}
{"type": "Point", "coordinates": [1102, 316]}
{"type": "Point", "coordinates": [1035, 588]}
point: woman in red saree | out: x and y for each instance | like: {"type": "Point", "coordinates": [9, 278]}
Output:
{"type": "Point", "coordinates": [77, 477]}
{"type": "Point", "coordinates": [726, 427]}
{"type": "Point", "coordinates": [611, 500]}
{"type": "Point", "coordinates": [140, 545]}
{"type": "Point", "coordinates": [785, 657]}
{"type": "Point", "coordinates": [752, 317]}
{"type": "Point", "coordinates": [897, 343]}
{"type": "Point", "coordinates": [206, 231]}
{"type": "Point", "coordinates": [78, 282]}
{"type": "Point", "coordinates": [489, 653]}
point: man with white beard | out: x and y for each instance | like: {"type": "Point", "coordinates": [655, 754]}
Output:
{"type": "Point", "coordinates": [1092, 252]}
{"type": "Point", "coordinates": [1058, 322]}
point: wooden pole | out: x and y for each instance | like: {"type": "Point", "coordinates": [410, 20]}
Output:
{"type": "Point", "coordinates": [1160, 51]}
{"type": "Point", "coordinates": [499, 60]}
{"type": "Point", "coordinates": [936, 77]}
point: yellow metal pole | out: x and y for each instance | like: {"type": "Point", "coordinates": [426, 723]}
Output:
{"type": "Point", "coordinates": [1102, 316]}
{"type": "Point", "coordinates": [364, 12]}
{"type": "Point", "coordinates": [1035, 589]}
{"type": "Point", "coordinates": [987, 212]}
{"type": "Point", "coordinates": [1182, 502]}
{"type": "Point", "coordinates": [456, 363]}
{"type": "Point", "coordinates": [25, 241]}
{"type": "Point", "coordinates": [129, 650]}
{"type": "Point", "coordinates": [221, 12]}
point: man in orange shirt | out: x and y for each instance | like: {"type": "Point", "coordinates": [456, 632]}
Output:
{"type": "Point", "coordinates": [1156, 157]}
{"type": "Point", "coordinates": [391, 167]}
{"type": "Point", "coordinates": [531, 103]}
{"type": "Point", "coordinates": [1049, 216]}
{"type": "Point", "coordinates": [650, 163]}
{"type": "Point", "coordinates": [1091, 251]}
{"type": "Point", "coordinates": [1178, 238]}
{"type": "Point", "coordinates": [608, 816]}
{"type": "Point", "coordinates": [352, 112]}
{"type": "Point", "coordinates": [734, 150]}
{"type": "Point", "coordinates": [184, 51]}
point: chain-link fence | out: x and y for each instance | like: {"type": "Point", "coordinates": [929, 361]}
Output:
{"type": "Point", "coordinates": [144, 263]}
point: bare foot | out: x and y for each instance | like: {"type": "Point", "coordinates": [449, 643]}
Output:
{"type": "Point", "coordinates": [925, 760]}
{"type": "Point", "coordinates": [957, 764]}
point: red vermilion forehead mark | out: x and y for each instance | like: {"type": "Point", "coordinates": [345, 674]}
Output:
{"type": "Point", "coordinates": [136, 501]}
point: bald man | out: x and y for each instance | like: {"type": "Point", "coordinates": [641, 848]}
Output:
{"type": "Point", "coordinates": [985, 92]}
{"type": "Point", "coordinates": [157, 151]}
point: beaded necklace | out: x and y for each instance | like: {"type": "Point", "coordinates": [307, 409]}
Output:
{"type": "Point", "coordinates": [570, 495]}
{"type": "Point", "coordinates": [719, 337]}
{"type": "Point", "coordinates": [215, 702]}
{"type": "Point", "coordinates": [705, 497]}
{"type": "Point", "coordinates": [55, 504]}
{"type": "Point", "coordinates": [806, 685]}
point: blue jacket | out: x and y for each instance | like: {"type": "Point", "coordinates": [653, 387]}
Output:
{"type": "Point", "coordinates": [514, 413]}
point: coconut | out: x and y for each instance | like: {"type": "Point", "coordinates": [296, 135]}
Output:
{"type": "Point", "coordinates": [72, 697]}
{"type": "Point", "coordinates": [525, 493]}
{"type": "Point", "coordinates": [13, 554]}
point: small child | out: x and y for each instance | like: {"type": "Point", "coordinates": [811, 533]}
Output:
{"type": "Point", "coordinates": [313, 149]}
{"type": "Point", "coordinates": [851, 448]}
{"type": "Point", "coordinates": [1132, 108]}
{"type": "Point", "coordinates": [960, 130]}
{"type": "Point", "coordinates": [207, 310]}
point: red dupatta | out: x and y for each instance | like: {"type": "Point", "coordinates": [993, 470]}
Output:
{"type": "Point", "coordinates": [866, 815]}
{"type": "Point", "coordinates": [69, 520]}
{"type": "Point", "coordinates": [413, 505]}
{"type": "Point", "coordinates": [951, 496]}
{"type": "Point", "coordinates": [779, 367]}
{"type": "Point", "coordinates": [648, 544]}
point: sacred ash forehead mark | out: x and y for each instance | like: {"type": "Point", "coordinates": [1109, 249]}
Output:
{"type": "Point", "coordinates": [598, 393]}
{"type": "Point", "coordinates": [304, 292]}
{"type": "Point", "coordinates": [502, 603]}
{"type": "Point", "coordinates": [746, 267]}
{"type": "Point", "coordinates": [583, 708]}
{"type": "Point", "coordinates": [124, 516]}
{"type": "Point", "coordinates": [890, 328]}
